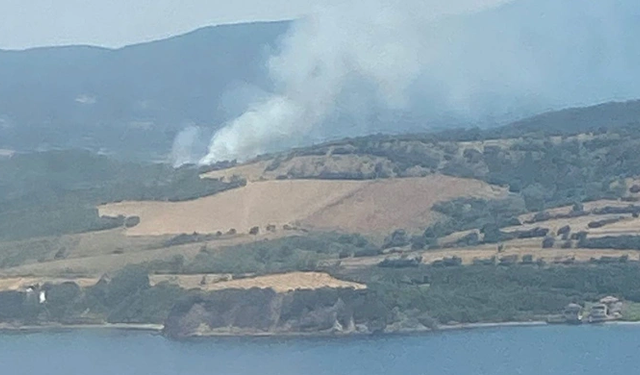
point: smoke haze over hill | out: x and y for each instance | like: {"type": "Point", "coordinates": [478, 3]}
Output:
{"type": "Point", "coordinates": [345, 70]}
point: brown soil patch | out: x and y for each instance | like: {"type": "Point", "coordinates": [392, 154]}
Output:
{"type": "Point", "coordinates": [280, 283]}
{"type": "Point", "coordinates": [350, 206]}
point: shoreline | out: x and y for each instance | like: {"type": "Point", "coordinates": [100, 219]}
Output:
{"type": "Point", "coordinates": [455, 327]}
{"type": "Point", "coordinates": [158, 329]}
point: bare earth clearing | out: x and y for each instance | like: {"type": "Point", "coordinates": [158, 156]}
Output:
{"type": "Point", "coordinates": [349, 206]}
{"type": "Point", "coordinates": [280, 282]}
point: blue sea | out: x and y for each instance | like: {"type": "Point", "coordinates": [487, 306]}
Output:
{"type": "Point", "coordinates": [597, 350]}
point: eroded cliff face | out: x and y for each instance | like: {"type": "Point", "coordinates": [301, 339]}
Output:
{"type": "Point", "coordinates": [265, 312]}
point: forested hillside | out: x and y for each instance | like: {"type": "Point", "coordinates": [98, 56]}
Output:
{"type": "Point", "coordinates": [57, 192]}
{"type": "Point", "coordinates": [525, 220]}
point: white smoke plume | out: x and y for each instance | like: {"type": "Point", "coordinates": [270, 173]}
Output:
{"type": "Point", "coordinates": [523, 57]}
{"type": "Point", "coordinates": [184, 147]}
{"type": "Point", "coordinates": [378, 43]}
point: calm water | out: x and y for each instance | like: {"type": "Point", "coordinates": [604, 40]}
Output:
{"type": "Point", "coordinates": [531, 350]}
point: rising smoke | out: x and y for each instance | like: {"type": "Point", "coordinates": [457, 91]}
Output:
{"type": "Point", "coordinates": [395, 57]}
{"type": "Point", "coordinates": [184, 150]}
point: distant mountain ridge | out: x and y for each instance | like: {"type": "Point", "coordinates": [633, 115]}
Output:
{"type": "Point", "coordinates": [604, 116]}
{"type": "Point", "coordinates": [102, 98]}
{"type": "Point", "coordinates": [132, 102]}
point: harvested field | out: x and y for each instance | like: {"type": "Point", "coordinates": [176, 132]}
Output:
{"type": "Point", "coordinates": [349, 206]}
{"type": "Point", "coordinates": [280, 283]}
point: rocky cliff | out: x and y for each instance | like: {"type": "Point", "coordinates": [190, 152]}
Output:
{"type": "Point", "coordinates": [265, 312]}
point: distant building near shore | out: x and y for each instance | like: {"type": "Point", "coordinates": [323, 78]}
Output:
{"type": "Point", "coordinates": [572, 314]}
{"type": "Point", "coordinates": [614, 306]}
{"type": "Point", "coordinates": [42, 297]}
{"type": "Point", "coordinates": [598, 313]}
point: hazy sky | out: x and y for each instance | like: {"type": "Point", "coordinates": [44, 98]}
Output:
{"type": "Point", "coordinates": [114, 23]}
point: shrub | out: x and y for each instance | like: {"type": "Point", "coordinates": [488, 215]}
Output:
{"type": "Point", "coordinates": [548, 242]}
{"type": "Point", "coordinates": [541, 216]}
{"type": "Point", "coordinates": [401, 263]}
{"type": "Point", "coordinates": [580, 236]}
{"type": "Point", "coordinates": [448, 262]}
{"type": "Point", "coordinates": [564, 230]}
{"type": "Point", "coordinates": [602, 223]}
{"type": "Point", "coordinates": [471, 239]}
{"type": "Point", "coordinates": [578, 207]}
{"type": "Point", "coordinates": [532, 233]}
{"type": "Point", "coordinates": [61, 253]}
{"type": "Point", "coordinates": [509, 260]}
{"type": "Point", "coordinates": [131, 221]}
{"type": "Point", "coordinates": [369, 251]}
{"type": "Point", "coordinates": [527, 259]}
{"type": "Point", "coordinates": [485, 262]}
{"type": "Point", "coordinates": [398, 238]}
{"type": "Point", "coordinates": [418, 242]}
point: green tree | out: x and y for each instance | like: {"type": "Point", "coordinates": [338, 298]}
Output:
{"type": "Point", "coordinates": [127, 282]}
{"type": "Point", "coordinates": [534, 197]}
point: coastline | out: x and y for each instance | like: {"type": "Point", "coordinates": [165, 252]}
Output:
{"type": "Point", "coordinates": [158, 329]}
{"type": "Point", "coordinates": [454, 327]}
{"type": "Point", "coordinates": [4, 327]}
